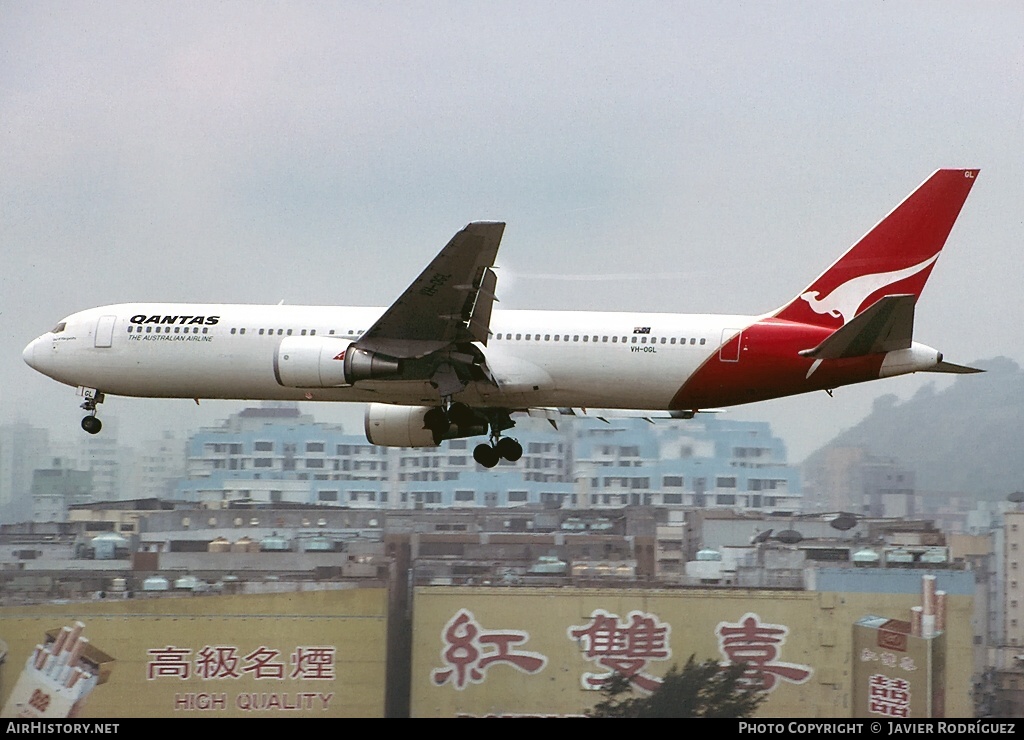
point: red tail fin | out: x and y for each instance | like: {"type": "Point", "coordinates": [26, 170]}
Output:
{"type": "Point", "coordinates": [896, 257]}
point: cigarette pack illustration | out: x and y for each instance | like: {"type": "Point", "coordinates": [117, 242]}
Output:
{"type": "Point", "coordinates": [58, 676]}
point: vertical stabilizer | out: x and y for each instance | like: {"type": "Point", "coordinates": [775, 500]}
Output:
{"type": "Point", "coordinates": [894, 258]}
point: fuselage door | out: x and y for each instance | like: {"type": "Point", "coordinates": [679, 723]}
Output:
{"type": "Point", "coordinates": [105, 331]}
{"type": "Point", "coordinates": [732, 340]}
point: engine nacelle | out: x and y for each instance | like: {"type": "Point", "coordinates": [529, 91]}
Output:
{"type": "Point", "coordinates": [325, 362]}
{"type": "Point", "coordinates": [405, 426]}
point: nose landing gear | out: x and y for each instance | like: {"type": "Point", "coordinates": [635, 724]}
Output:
{"type": "Point", "coordinates": [92, 398]}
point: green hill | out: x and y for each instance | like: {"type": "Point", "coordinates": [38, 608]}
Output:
{"type": "Point", "coordinates": [966, 438]}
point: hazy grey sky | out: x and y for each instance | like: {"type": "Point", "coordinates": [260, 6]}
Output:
{"type": "Point", "coordinates": [669, 156]}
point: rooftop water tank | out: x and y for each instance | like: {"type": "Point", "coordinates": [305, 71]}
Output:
{"type": "Point", "coordinates": [190, 583]}
{"type": "Point", "coordinates": [156, 583]}
{"type": "Point", "coordinates": [274, 543]}
{"type": "Point", "coordinates": [107, 545]}
{"type": "Point", "coordinates": [319, 544]}
{"type": "Point", "coordinates": [708, 554]}
{"type": "Point", "coordinates": [866, 557]}
{"type": "Point", "coordinates": [244, 544]}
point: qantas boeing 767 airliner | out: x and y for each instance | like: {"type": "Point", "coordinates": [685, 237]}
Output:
{"type": "Point", "coordinates": [439, 363]}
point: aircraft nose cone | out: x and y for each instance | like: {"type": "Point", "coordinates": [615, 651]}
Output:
{"type": "Point", "coordinates": [29, 354]}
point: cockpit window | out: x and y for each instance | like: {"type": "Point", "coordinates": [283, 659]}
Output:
{"type": "Point", "coordinates": [59, 328]}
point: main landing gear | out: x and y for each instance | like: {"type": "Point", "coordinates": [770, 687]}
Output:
{"type": "Point", "coordinates": [455, 419]}
{"type": "Point", "coordinates": [488, 455]}
{"type": "Point", "coordinates": [92, 398]}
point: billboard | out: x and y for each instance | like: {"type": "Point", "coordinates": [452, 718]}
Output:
{"type": "Point", "coordinates": [492, 651]}
{"type": "Point", "coordinates": [897, 674]}
{"type": "Point", "coordinates": [311, 654]}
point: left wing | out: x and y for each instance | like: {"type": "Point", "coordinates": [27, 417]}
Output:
{"type": "Point", "coordinates": [649, 415]}
{"type": "Point", "coordinates": [450, 302]}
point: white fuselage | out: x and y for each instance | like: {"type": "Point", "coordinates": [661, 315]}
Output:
{"type": "Point", "coordinates": [538, 358]}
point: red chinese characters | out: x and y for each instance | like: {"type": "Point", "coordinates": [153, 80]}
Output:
{"type": "Point", "coordinates": [217, 662]}
{"type": "Point", "coordinates": [313, 663]}
{"type": "Point", "coordinates": [262, 663]}
{"type": "Point", "coordinates": [622, 647]}
{"type": "Point", "coordinates": [758, 644]}
{"type": "Point", "coordinates": [169, 662]}
{"type": "Point", "coordinates": [889, 697]}
{"type": "Point", "coordinates": [469, 650]}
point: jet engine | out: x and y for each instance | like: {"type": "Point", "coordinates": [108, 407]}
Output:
{"type": "Point", "coordinates": [325, 362]}
{"type": "Point", "coordinates": [406, 426]}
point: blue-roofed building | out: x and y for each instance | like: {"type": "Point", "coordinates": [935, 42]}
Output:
{"type": "Point", "coordinates": [705, 462]}
{"type": "Point", "coordinates": [275, 454]}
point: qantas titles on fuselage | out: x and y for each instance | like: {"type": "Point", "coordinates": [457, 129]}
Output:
{"type": "Point", "coordinates": [180, 320]}
{"type": "Point", "coordinates": [439, 363]}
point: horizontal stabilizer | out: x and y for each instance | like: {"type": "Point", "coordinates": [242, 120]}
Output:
{"type": "Point", "coordinates": [949, 367]}
{"type": "Point", "coordinates": [885, 326]}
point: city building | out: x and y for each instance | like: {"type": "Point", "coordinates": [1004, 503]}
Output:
{"type": "Point", "coordinates": [58, 487]}
{"type": "Point", "coordinates": [852, 479]}
{"type": "Point", "coordinates": [275, 454]}
{"type": "Point", "coordinates": [23, 448]}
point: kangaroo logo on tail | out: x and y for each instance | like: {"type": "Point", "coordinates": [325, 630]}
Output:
{"type": "Point", "coordinates": [913, 234]}
{"type": "Point", "coordinates": [844, 300]}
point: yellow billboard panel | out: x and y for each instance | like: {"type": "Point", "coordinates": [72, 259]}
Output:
{"type": "Point", "coordinates": [312, 654]}
{"type": "Point", "coordinates": [489, 651]}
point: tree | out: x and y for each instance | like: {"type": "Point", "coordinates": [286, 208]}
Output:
{"type": "Point", "coordinates": [705, 689]}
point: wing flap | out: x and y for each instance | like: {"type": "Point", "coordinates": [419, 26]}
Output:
{"type": "Point", "coordinates": [480, 321]}
{"type": "Point", "coordinates": [606, 414]}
